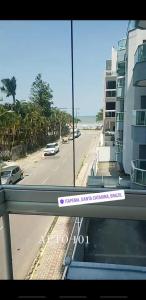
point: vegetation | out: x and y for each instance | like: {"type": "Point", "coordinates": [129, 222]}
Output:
{"type": "Point", "coordinates": [99, 116]}
{"type": "Point", "coordinates": [9, 87]}
{"type": "Point", "coordinates": [32, 123]}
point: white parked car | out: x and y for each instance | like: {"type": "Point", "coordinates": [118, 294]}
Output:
{"type": "Point", "coordinates": [51, 148]}
{"type": "Point", "coordinates": [11, 174]}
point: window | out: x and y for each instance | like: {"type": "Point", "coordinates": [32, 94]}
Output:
{"type": "Point", "coordinates": [110, 93]}
{"type": "Point", "coordinates": [142, 151]}
{"type": "Point", "coordinates": [111, 85]}
{"type": "Point", "coordinates": [120, 82]}
{"type": "Point", "coordinates": [143, 102]}
{"type": "Point", "coordinates": [110, 105]}
{"type": "Point", "coordinates": [110, 114]}
{"type": "Point", "coordinates": [14, 171]}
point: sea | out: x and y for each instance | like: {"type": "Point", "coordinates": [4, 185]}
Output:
{"type": "Point", "coordinates": [87, 122]}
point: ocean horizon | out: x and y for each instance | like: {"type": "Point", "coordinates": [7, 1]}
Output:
{"type": "Point", "coordinates": [87, 122]}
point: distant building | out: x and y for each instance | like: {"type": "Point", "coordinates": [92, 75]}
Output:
{"type": "Point", "coordinates": [110, 99]}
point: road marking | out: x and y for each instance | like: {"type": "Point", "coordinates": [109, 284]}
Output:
{"type": "Point", "coordinates": [46, 179]}
{"type": "Point", "coordinates": [1, 227]}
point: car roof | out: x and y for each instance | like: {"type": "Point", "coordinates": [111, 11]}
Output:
{"type": "Point", "coordinates": [10, 168]}
{"type": "Point", "coordinates": [52, 144]}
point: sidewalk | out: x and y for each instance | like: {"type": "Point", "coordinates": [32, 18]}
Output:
{"type": "Point", "coordinates": [49, 262]}
{"type": "Point", "coordinates": [28, 161]}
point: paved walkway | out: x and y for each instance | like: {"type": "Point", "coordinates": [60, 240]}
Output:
{"type": "Point", "coordinates": [49, 262]}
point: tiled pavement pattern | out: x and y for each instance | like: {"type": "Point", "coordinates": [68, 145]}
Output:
{"type": "Point", "coordinates": [50, 265]}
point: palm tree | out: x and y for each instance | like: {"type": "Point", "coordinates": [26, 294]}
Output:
{"type": "Point", "coordinates": [9, 87]}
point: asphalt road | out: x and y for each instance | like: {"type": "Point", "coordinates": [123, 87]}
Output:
{"type": "Point", "coordinates": [28, 231]}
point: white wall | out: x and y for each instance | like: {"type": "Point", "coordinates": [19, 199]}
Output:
{"type": "Point", "coordinates": [106, 153]}
{"type": "Point", "coordinates": [135, 38]}
{"type": "Point", "coordinates": [114, 59]}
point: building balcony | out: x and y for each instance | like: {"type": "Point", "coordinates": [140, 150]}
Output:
{"type": "Point", "coordinates": [138, 172]}
{"type": "Point", "coordinates": [119, 156]}
{"type": "Point", "coordinates": [141, 24]}
{"type": "Point", "coordinates": [134, 24]}
{"type": "Point", "coordinates": [121, 68]}
{"type": "Point", "coordinates": [121, 56]}
{"type": "Point", "coordinates": [119, 120]}
{"type": "Point", "coordinates": [122, 44]}
{"type": "Point", "coordinates": [120, 106]}
{"type": "Point", "coordinates": [110, 114]}
{"type": "Point", "coordinates": [139, 70]}
{"type": "Point", "coordinates": [119, 125]}
{"type": "Point", "coordinates": [120, 93]}
{"type": "Point", "coordinates": [139, 126]}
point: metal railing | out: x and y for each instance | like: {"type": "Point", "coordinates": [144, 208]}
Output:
{"type": "Point", "coordinates": [43, 200]}
{"type": "Point", "coordinates": [138, 171]}
{"type": "Point", "coordinates": [140, 54]}
{"type": "Point", "coordinates": [94, 167]}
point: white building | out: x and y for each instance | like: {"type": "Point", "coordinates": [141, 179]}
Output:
{"type": "Point", "coordinates": [134, 131]}
{"type": "Point", "coordinates": [110, 98]}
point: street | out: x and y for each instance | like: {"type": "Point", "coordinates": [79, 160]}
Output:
{"type": "Point", "coordinates": [27, 232]}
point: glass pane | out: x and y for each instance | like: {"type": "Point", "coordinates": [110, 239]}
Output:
{"type": "Point", "coordinates": [144, 178]}
{"type": "Point", "coordinates": [2, 252]}
{"type": "Point", "coordinates": [139, 176]}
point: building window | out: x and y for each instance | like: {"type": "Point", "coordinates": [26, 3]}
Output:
{"type": "Point", "coordinates": [143, 102]}
{"type": "Point", "coordinates": [120, 82]}
{"type": "Point", "coordinates": [110, 105]}
{"type": "Point", "coordinates": [110, 85]}
{"type": "Point", "coordinates": [142, 151]}
{"type": "Point", "coordinates": [119, 116]}
{"type": "Point", "coordinates": [110, 114]}
{"type": "Point", "coordinates": [110, 93]}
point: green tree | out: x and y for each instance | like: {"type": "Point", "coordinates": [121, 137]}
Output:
{"type": "Point", "coordinates": [41, 94]}
{"type": "Point", "coordinates": [99, 116]}
{"type": "Point", "coordinates": [9, 87]}
{"type": "Point", "coordinates": [59, 121]}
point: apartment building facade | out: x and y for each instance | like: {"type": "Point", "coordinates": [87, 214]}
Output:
{"type": "Point", "coordinates": [134, 137]}
{"type": "Point", "coordinates": [110, 99]}
{"type": "Point", "coordinates": [120, 102]}
{"type": "Point", "coordinates": [125, 103]}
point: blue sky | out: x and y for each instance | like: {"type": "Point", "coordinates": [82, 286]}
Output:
{"type": "Point", "coordinates": [31, 47]}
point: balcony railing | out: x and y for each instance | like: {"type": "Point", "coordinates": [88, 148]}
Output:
{"type": "Point", "coordinates": [122, 44]}
{"type": "Point", "coordinates": [141, 24]}
{"type": "Point", "coordinates": [118, 147]}
{"type": "Point", "coordinates": [110, 114]}
{"type": "Point", "coordinates": [131, 25]}
{"type": "Point", "coordinates": [140, 54]}
{"type": "Point", "coordinates": [121, 68]}
{"type": "Point", "coordinates": [120, 92]}
{"type": "Point", "coordinates": [139, 117]}
{"type": "Point", "coordinates": [43, 200]}
{"type": "Point", "coordinates": [138, 172]}
{"type": "Point", "coordinates": [121, 56]}
{"type": "Point", "coordinates": [119, 116]}
{"type": "Point", "coordinates": [120, 81]}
